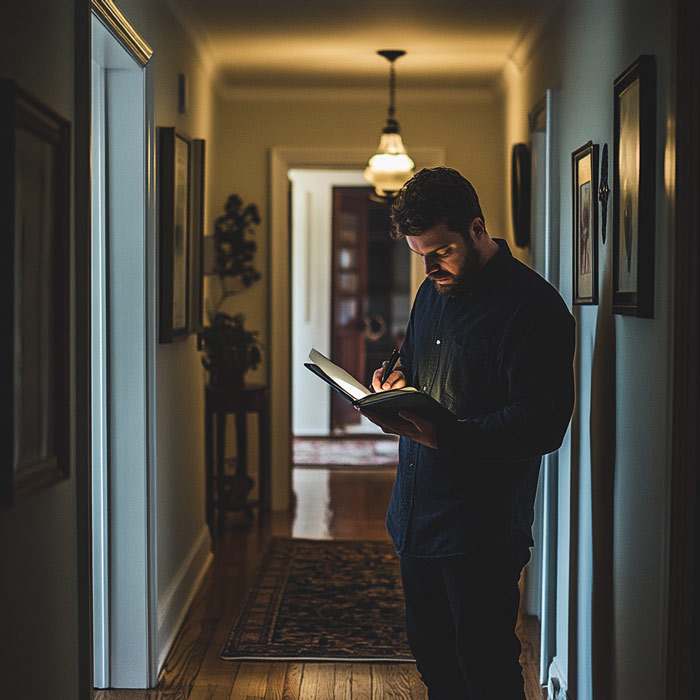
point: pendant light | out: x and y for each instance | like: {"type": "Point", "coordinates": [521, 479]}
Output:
{"type": "Point", "coordinates": [390, 167]}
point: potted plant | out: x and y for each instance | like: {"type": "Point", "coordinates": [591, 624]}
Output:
{"type": "Point", "coordinates": [229, 349]}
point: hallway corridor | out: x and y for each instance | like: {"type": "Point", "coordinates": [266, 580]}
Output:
{"type": "Point", "coordinates": [331, 504]}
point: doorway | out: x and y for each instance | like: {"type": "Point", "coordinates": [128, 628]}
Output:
{"type": "Point", "coordinates": [337, 300]}
{"type": "Point", "coordinates": [123, 345]}
{"type": "Point", "coordinates": [370, 280]}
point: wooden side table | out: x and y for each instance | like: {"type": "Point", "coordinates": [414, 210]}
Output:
{"type": "Point", "coordinates": [230, 492]}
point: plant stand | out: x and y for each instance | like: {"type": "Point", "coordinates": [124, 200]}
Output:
{"type": "Point", "coordinates": [229, 492]}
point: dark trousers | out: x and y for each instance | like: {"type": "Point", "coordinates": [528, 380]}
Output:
{"type": "Point", "coordinates": [461, 614]}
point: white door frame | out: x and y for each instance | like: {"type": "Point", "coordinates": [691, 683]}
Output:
{"type": "Point", "coordinates": [282, 160]}
{"type": "Point", "coordinates": [123, 354]}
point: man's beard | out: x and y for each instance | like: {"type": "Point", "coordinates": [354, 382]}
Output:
{"type": "Point", "coordinates": [451, 284]}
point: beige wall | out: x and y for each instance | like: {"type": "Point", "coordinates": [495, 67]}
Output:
{"type": "Point", "coordinates": [179, 373]}
{"type": "Point", "coordinates": [38, 565]}
{"type": "Point", "coordinates": [38, 576]}
{"type": "Point", "coordinates": [248, 126]}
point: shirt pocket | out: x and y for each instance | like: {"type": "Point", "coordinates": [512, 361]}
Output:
{"type": "Point", "coordinates": [467, 376]}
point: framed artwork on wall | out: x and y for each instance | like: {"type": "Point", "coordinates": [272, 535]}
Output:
{"type": "Point", "coordinates": [584, 163]}
{"type": "Point", "coordinates": [520, 193]}
{"type": "Point", "coordinates": [634, 189]}
{"type": "Point", "coordinates": [175, 194]}
{"type": "Point", "coordinates": [196, 274]}
{"type": "Point", "coordinates": [35, 209]}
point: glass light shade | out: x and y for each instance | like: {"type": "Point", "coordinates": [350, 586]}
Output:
{"type": "Point", "coordinates": [390, 167]}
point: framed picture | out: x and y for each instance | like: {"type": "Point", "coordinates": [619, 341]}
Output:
{"type": "Point", "coordinates": [35, 209]}
{"type": "Point", "coordinates": [196, 274]}
{"type": "Point", "coordinates": [520, 193]}
{"type": "Point", "coordinates": [634, 188]}
{"type": "Point", "coordinates": [175, 233]}
{"type": "Point", "coordinates": [584, 163]}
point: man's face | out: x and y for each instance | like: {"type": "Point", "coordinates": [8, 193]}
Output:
{"type": "Point", "coordinates": [449, 259]}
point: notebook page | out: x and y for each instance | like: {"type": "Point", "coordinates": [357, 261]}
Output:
{"type": "Point", "coordinates": [339, 375]}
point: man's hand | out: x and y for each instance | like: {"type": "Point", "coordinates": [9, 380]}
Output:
{"type": "Point", "coordinates": [411, 427]}
{"type": "Point", "coordinates": [395, 380]}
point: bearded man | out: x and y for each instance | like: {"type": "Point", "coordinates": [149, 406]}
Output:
{"type": "Point", "coordinates": [493, 342]}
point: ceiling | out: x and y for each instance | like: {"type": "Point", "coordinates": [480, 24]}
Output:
{"type": "Point", "coordinates": [318, 43]}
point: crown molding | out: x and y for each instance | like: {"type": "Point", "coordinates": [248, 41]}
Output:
{"type": "Point", "coordinates": [111, 16]}
{"type": "Point", "coordinates": [253, 93]}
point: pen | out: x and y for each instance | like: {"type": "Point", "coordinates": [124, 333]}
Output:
{"type": "Point", "coordinates": [390, 365]}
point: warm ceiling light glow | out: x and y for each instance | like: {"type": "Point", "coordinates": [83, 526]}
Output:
{"type": "Point", "coordinates": [391, 166]}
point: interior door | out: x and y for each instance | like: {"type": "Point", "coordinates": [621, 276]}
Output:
{"type": "Point", "coordinates": [349, 291]}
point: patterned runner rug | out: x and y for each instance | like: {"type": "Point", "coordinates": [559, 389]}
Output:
{"type": "Point", "coordinates": [322, 600]}
{"type": "Point", "coordinates": [346, 452]}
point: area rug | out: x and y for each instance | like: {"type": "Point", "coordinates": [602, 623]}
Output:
{"type": "Point", "coordinates": [322, 600]}
{"type": "Point", "coordinates": [345, 452]}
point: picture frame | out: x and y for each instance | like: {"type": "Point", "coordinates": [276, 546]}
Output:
{"type": "Point", "coordinates": [634, 188]}
{"type": "Point", "coordinates": [584, 165]}
{"type": "Point", "coordinates": [520, 193]}
{"type": "Point", "coordinates": [175, 195]}
{"type": "Point", "coordinates": [196, 287]}
{"type": "Point", "coordinates": [35, 209]}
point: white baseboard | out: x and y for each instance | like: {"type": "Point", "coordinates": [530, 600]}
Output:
{"type": "Point", "coordinates": [177, 597]}
{"type": "Point", "coordinates": [556, 683]}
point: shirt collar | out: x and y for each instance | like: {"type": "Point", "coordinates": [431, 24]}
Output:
{"type": "Point", "coordinates": [492, 270]}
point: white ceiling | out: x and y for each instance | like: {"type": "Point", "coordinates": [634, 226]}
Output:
{"type": "Point", "coordinates": [318, 43]}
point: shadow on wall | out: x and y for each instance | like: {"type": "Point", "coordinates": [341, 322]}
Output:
{"type": "Point", "coordinates": [603, 439]}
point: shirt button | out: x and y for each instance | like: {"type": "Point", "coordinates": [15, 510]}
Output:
{"type": "Point", "coordinates": [410, 466]}
{"type": "Point", "coordinates": [437, 342]}
{"type": "Point", "coordinates": [425, 388]}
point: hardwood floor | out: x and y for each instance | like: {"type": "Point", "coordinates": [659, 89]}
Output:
{"type": "Point", "coordinates": [331, 504]}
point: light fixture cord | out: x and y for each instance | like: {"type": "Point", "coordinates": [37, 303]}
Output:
{"type": "Point", "coordinates": [392, 89]}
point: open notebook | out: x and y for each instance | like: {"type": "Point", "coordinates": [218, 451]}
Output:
{"type": "Point", "coordinates": [385, 403]}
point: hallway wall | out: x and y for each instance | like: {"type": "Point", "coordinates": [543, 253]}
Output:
{"type": "Point", "coordinates": [183, 539]}
{"type": "Point", "coordinates": [38, 576]}
{"type": "Point", "coordinates": [248, 123]}
{"type": "Point", "coordinates": [251, 121]}
{"type": "Point", "coordinates": [38, 573]}
{"type": "Point", "coordinates": [617, 449]}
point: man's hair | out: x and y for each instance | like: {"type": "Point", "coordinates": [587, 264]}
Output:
{"type": "Point", "coordinates": [431, 197]}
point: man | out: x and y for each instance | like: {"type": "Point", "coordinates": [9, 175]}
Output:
{"type": "Point", "coordinates": [493, 342]}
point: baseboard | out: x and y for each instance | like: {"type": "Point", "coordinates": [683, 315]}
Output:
{"type": "Point", "coordinates": [556, 684]}
{"type": "Point", "coordinates": [177, 597]}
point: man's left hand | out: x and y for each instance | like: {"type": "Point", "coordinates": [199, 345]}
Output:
{"type": "Point", "coordinates": [412, 427]}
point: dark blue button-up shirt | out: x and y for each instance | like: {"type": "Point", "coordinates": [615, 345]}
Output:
{"type": "Point", "coordinates": [499, 354]}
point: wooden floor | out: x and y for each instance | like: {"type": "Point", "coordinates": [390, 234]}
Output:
{"type": "Point", "coordinates": [331, 504]}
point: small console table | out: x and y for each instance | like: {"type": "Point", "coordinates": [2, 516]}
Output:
{"type": "Point", "coordinates": [229, 492]}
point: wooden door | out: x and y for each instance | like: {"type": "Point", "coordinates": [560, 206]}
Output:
{"type": "Point", "coordinates": [349, 285]}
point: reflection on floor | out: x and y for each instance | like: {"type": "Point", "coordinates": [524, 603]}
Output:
{"type": "Point", "coordinates": [365, 451]}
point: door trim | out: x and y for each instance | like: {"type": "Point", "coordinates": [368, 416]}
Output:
{"type": "Point", "coordinates": [110, 15]}
{"type": "Point", "coordinates": [141, 583]}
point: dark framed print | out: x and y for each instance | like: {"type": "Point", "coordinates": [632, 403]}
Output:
{"type": "Point", "coordinates": [634, 188]}
{"type": "Point", "coordinates": [584, 164]}
{"type": "Point", "coordinates": [520, 192]}
{"type": "Point", "coordinates": [175, 233]}
{"type": "Point", "coordinates": [196, 274]}
{"type": "Point", "coordinates": [35, 208]}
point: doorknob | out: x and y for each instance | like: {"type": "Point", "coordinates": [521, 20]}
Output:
{"type": "Point", "coordinates": [375, 326]}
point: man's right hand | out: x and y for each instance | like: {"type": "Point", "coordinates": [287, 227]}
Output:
{"type": "Point", "coordinates": [395, 380]}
